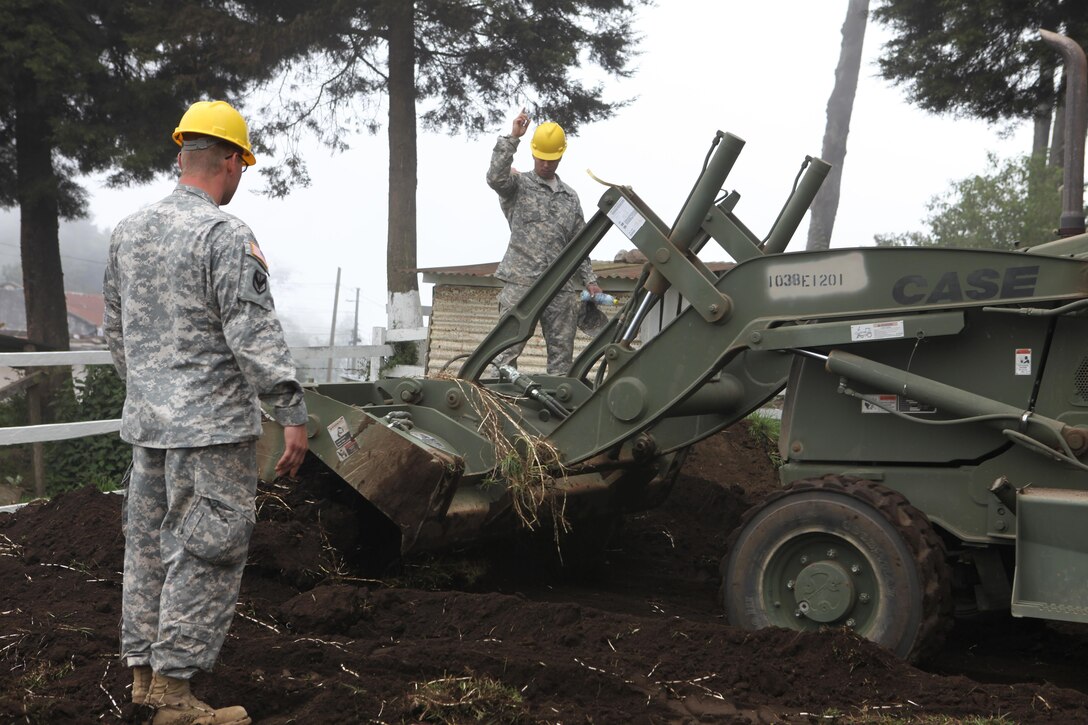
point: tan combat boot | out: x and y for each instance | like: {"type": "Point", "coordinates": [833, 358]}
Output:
{"type": "Point", "coordinates": [175, 704]}
{"type": "Point", "coordinates": [141, 683]}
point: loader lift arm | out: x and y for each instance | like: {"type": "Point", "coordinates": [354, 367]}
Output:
{"type": "Point", "coordinates": [712, 365]}
{"type": "Point", "coordinates": [674, 262]}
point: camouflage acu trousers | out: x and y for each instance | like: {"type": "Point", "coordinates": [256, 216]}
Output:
{"type": "Point", "coordinates": [187, 518]}
{"type": "Point", "coordinates": [557, 322]}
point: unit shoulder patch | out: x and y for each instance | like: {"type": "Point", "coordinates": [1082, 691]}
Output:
{"type": "Point", "coordinates": [253, 284]}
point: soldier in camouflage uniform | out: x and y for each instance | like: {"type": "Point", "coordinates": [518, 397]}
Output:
{"type": "Point", "coordinates": [544, 216]}
{"type": "Point", "coordinates": [193, 332]}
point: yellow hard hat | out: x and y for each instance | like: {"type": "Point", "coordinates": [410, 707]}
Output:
{"type": "Point", "coordinates": [220, 120]}
{"type": "Point", "coordinates": [549, 141]}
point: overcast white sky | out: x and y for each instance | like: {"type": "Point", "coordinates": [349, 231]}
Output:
{"type": "Point", "coordinates": [762, 71]}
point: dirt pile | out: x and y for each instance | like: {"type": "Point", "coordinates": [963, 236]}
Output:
{"type": "Point", "coordinates": [318, 638]}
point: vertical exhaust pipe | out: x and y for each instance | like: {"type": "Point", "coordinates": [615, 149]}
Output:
{"type": "Point", "coordinates": [1076, 115]}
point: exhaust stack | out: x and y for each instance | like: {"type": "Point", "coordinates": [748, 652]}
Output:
{"type": "Point", "coordinates": [1076, 113]}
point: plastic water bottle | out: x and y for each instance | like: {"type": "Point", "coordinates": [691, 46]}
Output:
{"type": "Point", "coordinates": [600, 298]}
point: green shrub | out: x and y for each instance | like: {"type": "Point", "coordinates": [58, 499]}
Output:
{"type": "Point", "coordinates": [404, 353]}
{"type": "Point", "coordinates": [101, 459]}
{"type": "Point", "coordinates": [14, 460]}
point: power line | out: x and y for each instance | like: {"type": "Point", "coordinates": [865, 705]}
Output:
{"type": "Point", "coordinates": [101, 262]}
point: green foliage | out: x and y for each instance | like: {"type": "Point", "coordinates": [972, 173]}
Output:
{"type": "Point", "coordinates": [111, 91]}
{"type": "Point", "coordinates": [404, 353]}
{"type": "Point", "coordinates": [14, 460]}
{"type": "Point", "coordinates": [766, 430]}
{"type": "Point", "coordinates": [992, 210]}
{"type": "Point", "coordinates": [91, 85]}
{"type": "Point", "coordinates": [472, 61]}
{"type": "Point", "coordinates": [13, 411]}
{"type": "Point", "coordinates": [981, 58]}
{"type": "Point", "coordinates": [100, 460]}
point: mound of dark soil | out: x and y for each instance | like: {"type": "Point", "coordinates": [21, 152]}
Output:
{"type": "Point", "coordinates": [319, 638]}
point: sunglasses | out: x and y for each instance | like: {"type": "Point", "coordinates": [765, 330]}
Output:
{"type": "Point", "coordinates": [240, 160]}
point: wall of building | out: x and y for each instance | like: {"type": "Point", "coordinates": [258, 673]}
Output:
{"type": "Point", "coordinates": [463, 315]}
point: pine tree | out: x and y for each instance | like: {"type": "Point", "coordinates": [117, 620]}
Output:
{"type": "Point", "coordinates": [979, 58]}
{"type": "Point", "coordinates": [94, 85]}
{"type": "Point", "coordinates": [449, 65]}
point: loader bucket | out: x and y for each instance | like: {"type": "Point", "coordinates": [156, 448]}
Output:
{"type": "Point", "coordinates": [409, 479]}
{"type": "Point", "coordinates": [438, 483]}
{"type": "Point", "coordinates": [1051, 554]}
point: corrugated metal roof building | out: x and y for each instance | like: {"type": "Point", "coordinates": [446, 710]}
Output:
{"type": "Point", "coordinates": [85, 311]}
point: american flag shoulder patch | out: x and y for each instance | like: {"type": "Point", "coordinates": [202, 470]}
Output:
{"type": "Point", "coordinates": [254, 251]}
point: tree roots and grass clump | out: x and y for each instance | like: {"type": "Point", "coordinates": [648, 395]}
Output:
{"type": "Point", "coordinates": [467, 699]}
{"type": "Point", "coordinates": [526, 463]}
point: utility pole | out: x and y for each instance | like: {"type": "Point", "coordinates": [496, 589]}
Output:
{"type": "Point", "coordinates": [332, 332]}
{"type": "Point", "coordinates": [355, 331]}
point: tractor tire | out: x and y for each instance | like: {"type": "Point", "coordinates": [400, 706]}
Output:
{"type": "Point", "coordinates": [841, 552]}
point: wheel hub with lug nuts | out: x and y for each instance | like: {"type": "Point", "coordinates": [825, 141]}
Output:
{"type": "Point", "coordinates": [824, 591]}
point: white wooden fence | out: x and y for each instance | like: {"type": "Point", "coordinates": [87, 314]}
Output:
{"type": "Point", "coordinates": [37, 433]}
{"type": "Point", "coordinates": [40, 433]}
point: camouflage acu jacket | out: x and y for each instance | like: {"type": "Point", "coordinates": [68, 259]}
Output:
{"type": "Point", "coordinates": [542, 221]}
{"type": "Point", "coordinates": [192, 328]}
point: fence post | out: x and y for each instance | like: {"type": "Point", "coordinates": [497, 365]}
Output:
{"type": "Point", "coordinates": [37, 456]}
{"type": "Point", "coordinates": [377, 337]}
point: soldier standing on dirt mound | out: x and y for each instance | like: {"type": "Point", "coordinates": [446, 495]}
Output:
{"type": "Point", "coordinates": [544, 216]}
{"type": "Point", "coordinates": [193, 333]}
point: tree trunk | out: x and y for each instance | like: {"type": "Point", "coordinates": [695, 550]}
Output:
{"type": "Point", "coordinates": [1057, 137]}
{"type": "Point", "coordinates": [39, 243]}
{"type": "Point", "coordinates": [1040, 143]}
{"type": "Point", "coordinates": [403, 294]}
{"type": "Point", "coordinates": [1037, 190]}
{"type": "Point", "coordinates": [1044, 112]}
{"type": "Point", "coordinates": [840, 105]}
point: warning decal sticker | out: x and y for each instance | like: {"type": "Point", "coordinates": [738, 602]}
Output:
{"type": "Point", "coordinates": [342, 439]}
{"type": "Point", "coordinates": [876, 331]}
{"type": "Point", "coordinates": [1023, 361]}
